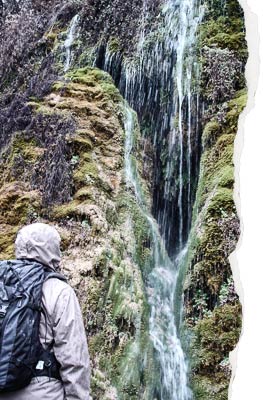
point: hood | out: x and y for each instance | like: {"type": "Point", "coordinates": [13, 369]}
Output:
{"type": "Point", "coordinates": [39, 242]}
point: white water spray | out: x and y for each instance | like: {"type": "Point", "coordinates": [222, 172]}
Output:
{"type": "Point", "coordinates": [181, 20]}
{"type": "Point", "coordinates": [162, 77]}
{"type": "Point", "coordinates": [69, 41]}
{"type": "Point", "coordinates": [165, 68]}
{"type": "Point", "coordinates": [161, 289]}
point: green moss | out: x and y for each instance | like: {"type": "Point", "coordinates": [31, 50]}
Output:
{"type": "Point", "coordinates": [51, 39]}
{"type": "Point", "coordinates": [235, 107]}
{"type": "Point", "coordinates": [67, 210]}
{"type": "Point", "coordinates": [120, 342]}
{"type": "Point", "coordinates": [234, 41]}
{"type": "Point", "coordinates": [89, 76]}
{"type": "Point", "coordinates": [16, 204]}
{"type": "Point", "coordinates": [229, 8]}
{"type": "Point", "coordinates": [51, 35]}
{"type": "Point", "coordinates": [18, 158]}
{"type": "Point", "coordinates": [126, 293]}
{"type": "Point", "coordinates": [7, 240]}
{"type": "Point", "coordinates": [86, 172]}
{"type": "Point", "coordinates": [223, 32]}
{"type": "Point", "coordinates": [221, 203]}
{"type": "Point", "coordinates": [86, 57]}
{"type": "Point", "coordinates": [211, 132]}
{"type": "Point", "coordinates": [214, 329]}
{"type": "Point", "coordinates": [84, 193]}
{"type": "Point", "coordinates": [46, 110]}
{"type": "Point", "coordinates": [94, 76]}
{"type": "Point", "coordinates": [141, 230]}
{"type": "Point", "coordinates": [29, 149]}
{"type": "Point", "coordinates": [214, 337]}
{"type": "Point", "coordinates": [114, 45]}
{"type": "Point", "coordinates": [80, 142]}
{"type": "Point", "coordinates": [57, 86]}
{"type": "Point", "coordinates": [110, 89]}
{"type": "Point", "coordinates": [214, 170]}
{"type": "Point", "coordinates": [226, 177]}
{"type": "Point", "coordinates": [205, 388]}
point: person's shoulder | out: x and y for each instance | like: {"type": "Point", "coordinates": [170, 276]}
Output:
{"type": "Point", "coordinates": [56, 286]}
{"type": "Point", "coordinates": [56, 294]}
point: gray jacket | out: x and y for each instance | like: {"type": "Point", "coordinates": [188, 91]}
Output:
{"type": "Point", "coordinates": [61, 323]}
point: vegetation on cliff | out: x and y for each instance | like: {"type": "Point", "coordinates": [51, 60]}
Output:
{"type": "Point", "coordinates": [212, 309]}
{"type": "Point", "coordinates": [66, 168]}
{"type": "Point", "coordinates": [62, 162]}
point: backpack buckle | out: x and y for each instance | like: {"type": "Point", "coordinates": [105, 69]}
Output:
{"type": "Point", "coordinates": [3, 310]}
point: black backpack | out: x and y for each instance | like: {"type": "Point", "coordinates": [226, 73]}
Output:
{"type": "Point", "coordinates": [21, 284]}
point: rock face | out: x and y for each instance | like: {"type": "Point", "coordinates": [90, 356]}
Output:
{"type": "Point", "coordinates": [62, 143]}
{"type": "Point", "coordinates": [90, 206]}
{"type": "Point", "coordinates": [212, 309]}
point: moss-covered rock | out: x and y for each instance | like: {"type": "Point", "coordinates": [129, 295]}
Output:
{"type": "Point", "coordinates": [62, 163]}
{"type": "Point", "coordinates": [223, 53]}
{"type": "Point", "coordinates": [213, 338]}
{"type": "Point", "coordinates": [214, 328]}
{"type": "Point", "coordinates": [224, 32]}
{"type": "Point", "coordinates": [212, 310]}
{"type": "Point", "coordinates": [109, 233]}
{"type": "Point", "coordinates": [18, 203]}
{"type": "Point", "coordinates": [18, 158]}
{"type": "Point", "coordinates": [103, 230]}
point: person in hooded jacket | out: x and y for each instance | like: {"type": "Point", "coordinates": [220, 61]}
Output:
{"type": "Point", "coordinates": [61, 327]}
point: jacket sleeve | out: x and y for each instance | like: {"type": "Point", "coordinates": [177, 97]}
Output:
{"type": "Point", "coordinates": [70, 346]}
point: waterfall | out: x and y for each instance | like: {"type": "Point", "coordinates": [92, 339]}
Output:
{"type": "Point", "coordinates": [160, 84]}
{"type": "Point", "coordinates": [69, 41]}
{"type": "Point", "coordinates": [161, 289]}
{"type": "Point", "coordinates": [188, 23]}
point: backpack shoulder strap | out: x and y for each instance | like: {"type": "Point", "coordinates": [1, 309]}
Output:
{"type": "Point", "coordinates": [57, 275]}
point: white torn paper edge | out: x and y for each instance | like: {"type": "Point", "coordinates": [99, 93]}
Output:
{"type": "Point", "coordinates": [247, 261]}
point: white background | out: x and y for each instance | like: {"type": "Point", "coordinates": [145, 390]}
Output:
{"type": "Point", "coordinates": [248, 381]}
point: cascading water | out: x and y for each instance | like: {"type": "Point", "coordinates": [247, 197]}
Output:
{"type": "Point", "coordinates": [161, 290]}
{"type": "Point", "coordinates": [67, 46]}
{"type": "Point", "coordinates": [159, 84]}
